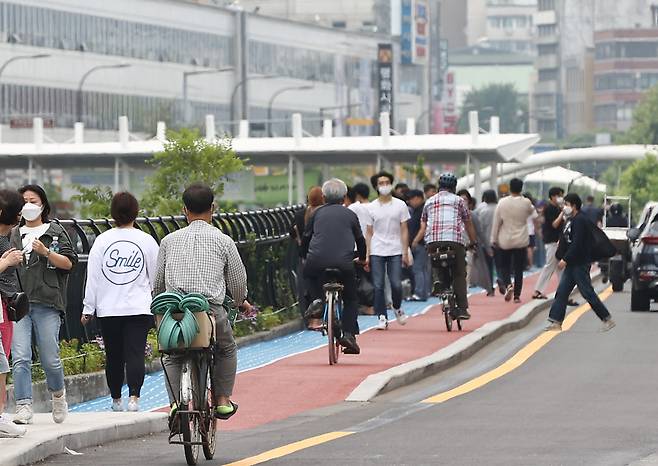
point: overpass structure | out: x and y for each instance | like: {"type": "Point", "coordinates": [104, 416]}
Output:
{"type": "Point", "coordinates": [474, 149]}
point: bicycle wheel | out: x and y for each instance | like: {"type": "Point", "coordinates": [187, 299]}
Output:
{"type": "Point", "coordinates": [330, 329]}
{"type": "Point", "coordinates": [448, 318]}
{"type": "Point", "coordinates": [189, 421]}
{"type": "Point", "coordinates": [209, 433]}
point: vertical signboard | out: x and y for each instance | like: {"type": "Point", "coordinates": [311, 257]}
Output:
{"type": "Point", "coordinates": [414, 32]}
{"type": "Point", "coordinates": [385, 78]}
{"type": "Point", "coordinates": [450, 116]}
{"type": "Point", "coordinates": [406, 32]}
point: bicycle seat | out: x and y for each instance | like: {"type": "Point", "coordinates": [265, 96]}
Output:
{"type": "Point", "coordinates": [332, 279]}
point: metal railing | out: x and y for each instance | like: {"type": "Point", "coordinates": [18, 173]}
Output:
{"type": "Point", "coordinates": [263, 233]}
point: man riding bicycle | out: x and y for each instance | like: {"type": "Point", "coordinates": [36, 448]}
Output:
{"type": "Point", "coordinates": [201, 259]}
{"type": "Point", "coordinates": [448, 217]}
{"type": "Point", "coordinates": [328, 242]}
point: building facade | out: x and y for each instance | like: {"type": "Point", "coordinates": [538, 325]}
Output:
{"type": "Point", "coordinates": [133, 55]}
{"type": "Point", "coordinates": [510, 25]}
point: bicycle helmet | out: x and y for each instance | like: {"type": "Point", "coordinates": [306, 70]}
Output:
{"type": "Point", "coordinates": [448, 181]}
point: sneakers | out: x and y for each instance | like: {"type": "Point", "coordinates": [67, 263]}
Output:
{"type": "Point", "coordinates": [133, 404]}
{"type": "Point", "coordinates": [607, 325]}
{"type": "Point", "coordinates": [517, 300]}
{"type": "Point", "coordinates": [314, 310]}
{"type": "Point", "coordinates": [553, 326]}
{"type": "Point", "coordinates": [401, 316]}
{"type": "Point", "coordinates": [117, 405]}
{"type": "Point", "coordinates": [508, 293]}
{"type": "Point", "coordinates": [10, 430]}
{"type": "Point", "coordinates": [60, 407]}
{"type": "Point", "coordinates": [348, 342]}
{"type": "Point", "coordinates": [572, 302]}
{"type": "Point", "coordinates": [383, 323]}
{"type": "Point", "coordinates": [24, 414]}
{"type": "Point", "coordinates": [461, 314]}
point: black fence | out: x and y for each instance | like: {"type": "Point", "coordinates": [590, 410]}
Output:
{"type": "Point", "coordinates": [262, 238]}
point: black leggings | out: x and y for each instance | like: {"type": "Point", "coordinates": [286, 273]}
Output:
{"type": "Point", "coordinates": [513, 261]}
{"type": "Point", "coordinates": [125, 341]}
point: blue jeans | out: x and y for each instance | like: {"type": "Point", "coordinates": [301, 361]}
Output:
{"type": "Point", "coordinates": [45, 322]}
{"type": "Point", "coordinates": [576, 275]}
{"type": "Point", "coordinates": [382, 266]}
{"type": "Point", "coordinates": [421, 270]}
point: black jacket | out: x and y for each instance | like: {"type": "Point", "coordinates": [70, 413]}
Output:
{"type": "Point", "coordinates": [330, 236]}
{"type": "Point", "coordinates": [575, 246]}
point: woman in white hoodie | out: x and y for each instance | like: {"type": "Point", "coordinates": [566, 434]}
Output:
{"type": "Point", "coordinates": [120, 275]}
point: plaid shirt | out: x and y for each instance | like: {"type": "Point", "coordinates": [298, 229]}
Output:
{"type": "Point", "coordinates": [201, 259]}
{"type": "Point", "coordinates": [445, 214]}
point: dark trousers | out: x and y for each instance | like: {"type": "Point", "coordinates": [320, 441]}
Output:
{"type": "Point", "coordinates": [125, 341]}
{"type": "Point", "coordinates": [381, 266]}
{"type": "Point", "coordinates": [459, 272]}
{"type": "Point", "coordinates": [314, 272]}
{"type": "Point", "coordinates": [576, 275]}
{"type": "Point", "coordinates": [489, 260]}
{"type": "Point", "coordinates": [513, 260]}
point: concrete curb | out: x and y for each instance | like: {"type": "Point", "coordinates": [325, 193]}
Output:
{"type": "Point", "coordinates": [462, 349]}
{"type": "Point", "coordinates": [37, 446]}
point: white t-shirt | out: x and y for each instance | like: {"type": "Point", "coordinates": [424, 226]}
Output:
{"type": "Point", "coordinates": [385, 220]}
{"type": "Point", "coordinates": [531, 223]}
{"type": "Point", "coordinates": [361, 211]}
{"type": "Point", "coordinates": [29, 234]}
{"type": "Point", "coordinates": [120, 273]}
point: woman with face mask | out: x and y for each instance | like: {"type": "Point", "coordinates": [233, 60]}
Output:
{"type": "Point", "coordinates": [48, 258]}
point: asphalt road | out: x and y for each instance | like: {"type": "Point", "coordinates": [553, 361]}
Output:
{"type": "Point", "coordinates": [584, 398]}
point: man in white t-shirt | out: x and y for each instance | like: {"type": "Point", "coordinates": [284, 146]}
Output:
{"type": "Point", "coordinates": [387, 239]}
{"type": "Point", "coordinates": [360, 205]}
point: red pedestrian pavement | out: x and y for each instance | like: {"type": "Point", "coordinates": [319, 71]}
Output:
{"type": "Point", "coordinates": [306, 381]}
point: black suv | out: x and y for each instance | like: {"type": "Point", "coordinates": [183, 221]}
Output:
{"type": "Point", "coordinates": [645, 264]}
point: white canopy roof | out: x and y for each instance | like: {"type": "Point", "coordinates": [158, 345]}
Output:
{"type": "Point", "coordinates": [563, 176]}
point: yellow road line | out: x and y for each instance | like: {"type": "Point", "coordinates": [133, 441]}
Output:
{"type": "Point", "coordinates": [508, 366]}
{"type": "Point", "coordinates": [291, 448]}
{"type": "Point", "coordinates": [515, 361]}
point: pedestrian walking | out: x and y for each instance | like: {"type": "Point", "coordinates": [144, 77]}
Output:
{"type": "Point", "coordinates": [11, 203]}
{"type": "Point", "coordinates": [484, 215]}
{"type": "Point", "coordinates": [575, 255]}
{"type": "Point", "coordinates": [510, 235]}
{"type": "Point", "coordinates": [120, 277]}
{"type": "Point", "coordinates": [387, 239]}
{"type": "Point", "coordinates": [49, 257]}
{"type": "Point", "coordinates": [421, 266]}
{"type": "Point", "coordinates": [533, 223]}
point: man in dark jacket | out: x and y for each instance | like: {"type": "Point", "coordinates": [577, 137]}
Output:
{"type": "Point", "coordinates": [575, 254]}
{"type": "Point", "coordinates": [328, 242]}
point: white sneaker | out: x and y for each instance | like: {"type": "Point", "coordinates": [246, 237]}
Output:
{"type": "Point", "coordinates": [553, 326]}
{"type": "Point", "coordinates": [401, 316]}
{"type": "Point", "coordinates": [133, 405]}
{"type": "Point", "coordinates": [10, 430]}
{"type": "Point", "coordinates": [607, 325]}
{"type": "Point", "coordinates": [24, 414]}
{"type": "Point", "coordinates": [383, 323]}
{"type": "Point", "coordinates": [60, 408]}
{"type": "Point", "coordinates": [117, 405]}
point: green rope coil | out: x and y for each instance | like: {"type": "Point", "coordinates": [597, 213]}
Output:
{"type": "Point", "coordinates": [174, 330]}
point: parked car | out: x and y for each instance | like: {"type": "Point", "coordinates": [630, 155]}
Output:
{"type": "Point", "coordinates": [644, 275]}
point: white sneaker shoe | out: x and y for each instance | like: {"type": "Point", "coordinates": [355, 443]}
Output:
{"type": "Point", "coordinates": [117, 405]}
{"type": "Point", "coordinates": [24, 414]}
{"type": "Point", "coordinates": [383, 323]}
{"type": "Point", "coordinates": [60, 408]}
{"type": "Point", "coordinates": [607, 325]}
{"type": "Point", "coordinates": [10, 430]}
{"type": "Point", "coordinates": [553, 326]}
{"type": "Point", "coordinates": [401, 316]}
{"type": "Point", "coordinates": [133, 405]}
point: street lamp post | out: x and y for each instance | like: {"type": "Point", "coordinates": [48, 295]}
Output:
{"type": "Point", "coordinates": [84, 78]}
{"type": "Point", "coordinates": [13, 59]}
{"type": "Point", "coordinates": [238, 85]}
{"type": "Point", "coordinates": [186, 74]}
{"type": "Point", "coordinates": [274, 96]}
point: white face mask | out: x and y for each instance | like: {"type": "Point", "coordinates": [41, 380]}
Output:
{"type": "Point", "coordinates": [567, 210]}
{"type": "Point", "coordinates": [385, 190]}
{"type": "Point", "coordinates": [31, 211]}
{"type": "Point", "coordinates": [559, 200]}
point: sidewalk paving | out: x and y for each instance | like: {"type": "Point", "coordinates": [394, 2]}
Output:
{"type": "Point", "coordinates": [276, 380]}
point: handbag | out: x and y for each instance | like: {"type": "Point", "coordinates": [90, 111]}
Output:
{"type": "Point", "coordinates": [18, 305]}
{"type": "Point", "coordinates": [602, 247]}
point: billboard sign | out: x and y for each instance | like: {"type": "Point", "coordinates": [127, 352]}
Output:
{"type": "Point", "coordinates": [385, 79]}
{"type": "Point", "coordinates": [415, 32]}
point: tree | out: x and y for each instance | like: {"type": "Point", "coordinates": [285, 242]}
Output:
{"type": "Point", "coordinates": [94, 202]}
{"type": "Point", "coordinates": [640, 181]}
{"type": "Point", "coordinates": [417, 171]}
{"type": "Point", "coordinates": [644, 129]}
{"type": "Point", "coordinates": [187, 158]}
{"type": "Point", "coordinates": [496, 99]}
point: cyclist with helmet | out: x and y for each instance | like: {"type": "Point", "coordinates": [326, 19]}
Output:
{"type": "Point", "coordinates": [445, 219]}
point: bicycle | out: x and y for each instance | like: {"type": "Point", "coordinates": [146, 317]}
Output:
{"type": "Point", "coordinates": [332, 310]}
{"type": "Point", "coordinates": [194, 424]}
{"type": "Point", "coordinates": [443, 262]}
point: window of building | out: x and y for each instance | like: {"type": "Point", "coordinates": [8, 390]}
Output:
{"type": "Point", "coordinates": [548, 75]}
{"type": "Point", "coordinates": [545, 30]}
{"type": "Point", "coordinates": [545, 5]}
{"type": "Point", "coordinates": [654, 15]}
{"type": "Point", "coordinates": [546, 49]}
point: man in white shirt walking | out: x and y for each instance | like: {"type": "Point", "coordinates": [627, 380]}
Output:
{"type": "Point", "coordinates": [387, 239]}
{"type": "Point", "coordinates": [510, 236]}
